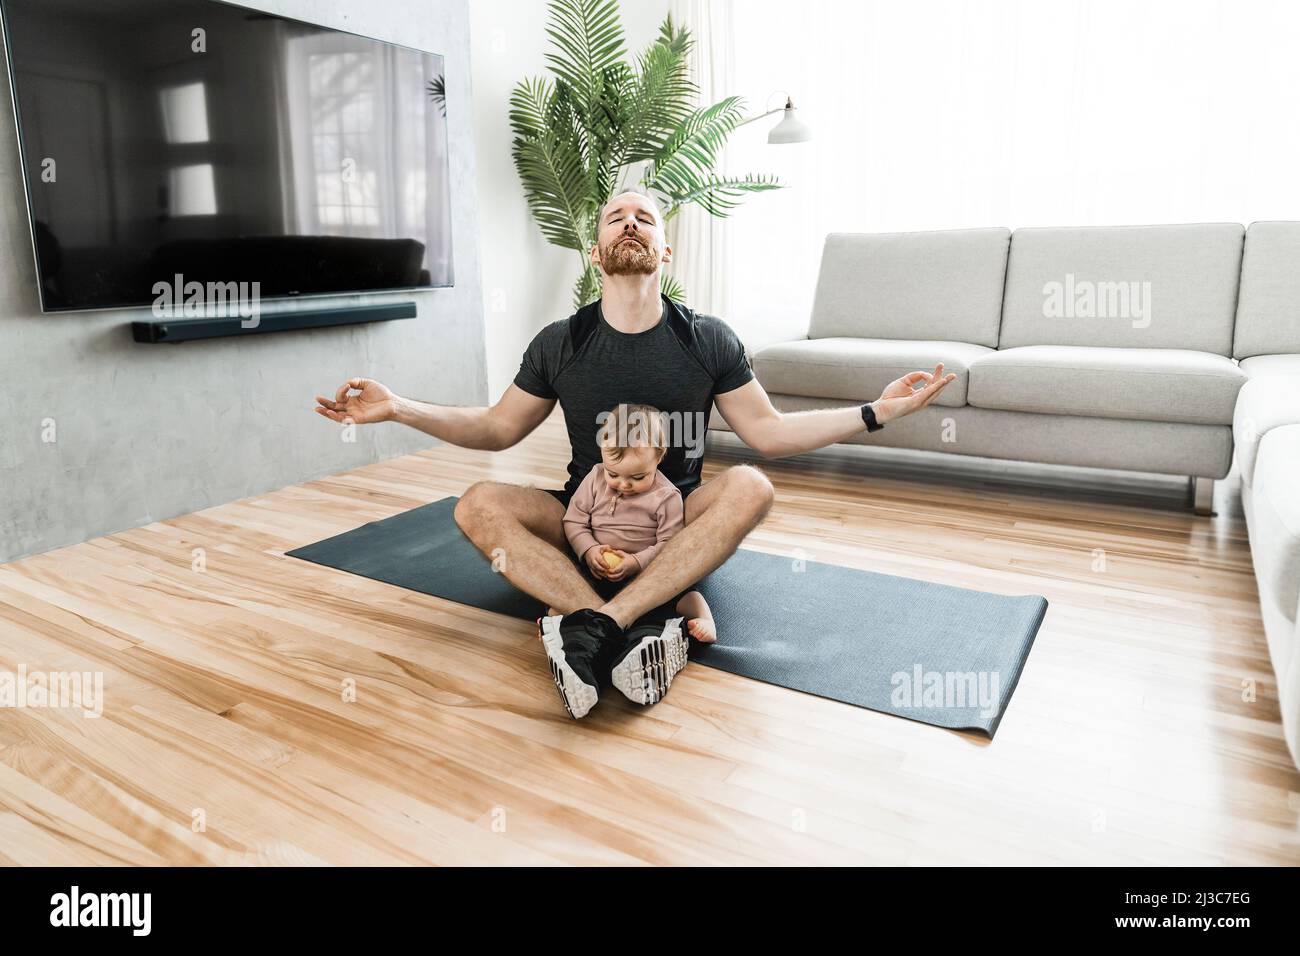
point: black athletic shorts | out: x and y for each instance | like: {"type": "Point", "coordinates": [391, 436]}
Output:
{"type": "Point", "coordinates": [563, 496]}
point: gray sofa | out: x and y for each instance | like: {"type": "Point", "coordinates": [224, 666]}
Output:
{"type": "Point", "coordinates": [1123, 347]}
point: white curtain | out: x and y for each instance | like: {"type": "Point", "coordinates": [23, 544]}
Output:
{"type": "Point", "coordinates": [938, 114]}
{"type": "Point", "coordinates": [702, 259]}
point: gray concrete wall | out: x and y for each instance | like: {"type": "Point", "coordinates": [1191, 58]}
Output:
{"type": "Point", "coordinates": [148, 432]}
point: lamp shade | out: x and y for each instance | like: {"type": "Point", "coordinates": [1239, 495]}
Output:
{"type": "Point", "coordinates": [790, 129]}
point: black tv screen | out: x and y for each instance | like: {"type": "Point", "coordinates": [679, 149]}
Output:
{"type": "Point", "coordinates": [191, 140]}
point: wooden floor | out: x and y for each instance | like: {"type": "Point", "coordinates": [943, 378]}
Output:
{"type": "Point", "coordinates": [227, 736]}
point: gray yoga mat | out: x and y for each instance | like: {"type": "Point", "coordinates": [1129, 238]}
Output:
{"type": "Point", "coordinates": [930, 652]}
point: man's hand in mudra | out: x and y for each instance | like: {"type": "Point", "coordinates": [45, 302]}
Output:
{"type": "Point", "coordinates": [902, 397]}
{"type": "Point", "coordinates": [372, 402]}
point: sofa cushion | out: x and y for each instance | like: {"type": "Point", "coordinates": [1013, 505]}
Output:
{"type": "Point", "coordinates": [1165, 448]}
{"type": "Point", "coordinates": [1158, 385]}
{"type": "Point", "coordinates": [1265, 403]}
{"type": "Point", "coordinates": [1268, 310]}
{"type": "Point", "coordinates": [1275, 525]}
{"type": "Point", "coordinates": [858, 369]}
{"type": "Point", "coordinates": [1272, 365]}
{"type": "Point", "coordinates": [912, 285]}
{"type": "Point", "coordinates": [1166, 287]}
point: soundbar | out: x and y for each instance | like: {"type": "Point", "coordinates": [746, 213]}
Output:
{"type": "Point", "coordinates": [188, 330]}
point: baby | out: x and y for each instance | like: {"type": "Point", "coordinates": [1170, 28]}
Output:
{"type": "Point", "coordinates": [625, 510]}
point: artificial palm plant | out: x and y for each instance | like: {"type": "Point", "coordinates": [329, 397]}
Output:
{"type": "Point", "coordinates": [579, 136]}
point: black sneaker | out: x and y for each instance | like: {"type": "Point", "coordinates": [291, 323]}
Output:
{"type": "Point", "coordinates": [653, 654]}
{"type": "Point", "coordinates": [579, 646]}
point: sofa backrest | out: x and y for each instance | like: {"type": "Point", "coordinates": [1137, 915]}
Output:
{"type": "Point", "coordinates": [1268, 308]}
{"type": "Point", "coordinates": [912, 285]}
{"type": "Point", "coordinates": [1169, 287]}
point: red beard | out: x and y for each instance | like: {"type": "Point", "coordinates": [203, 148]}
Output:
{"type": "Point", "coordinates": [629, 257]}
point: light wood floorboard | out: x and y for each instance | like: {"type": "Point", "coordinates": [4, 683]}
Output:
{"type": "Point", "coordinates": [1127, 741]}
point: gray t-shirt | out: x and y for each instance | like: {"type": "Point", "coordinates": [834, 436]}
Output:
{"type": "Point", "coordinates": [678, 367]}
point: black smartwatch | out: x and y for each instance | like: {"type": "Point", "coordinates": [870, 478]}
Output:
{"type": "Point", "coordinates": [869, 416]}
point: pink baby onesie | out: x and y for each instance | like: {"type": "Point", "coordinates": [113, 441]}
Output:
{"type": "Point", "coordinates": [638, 524]}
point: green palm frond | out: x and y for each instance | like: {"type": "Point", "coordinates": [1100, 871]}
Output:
{"type": "Point", "coordinates": [587, 288]}
{"type": "Point", "coordinates": [670, 287]}
{"type": "Point", "coordinates": [688, 157]}
{"type": "Point", "coordinates": [608, 118]}
{"type": "Point", "coordinates": [720, 194]}
{"type": "Point", "coordinates": [588, 36]}
{"type": "Point", "coordinates": [565, 119]}
{"type": "Point", "coordinates": [551, 168]}
{"type": "Point", "coordinates": [662, 98]}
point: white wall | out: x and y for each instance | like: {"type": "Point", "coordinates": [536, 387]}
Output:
{"type": "Point", "coordinates": [938, 114]}
{"type": "Point", "coordinates": [147, 432]}
{"type": "Point", "coordinates": [527, 282]}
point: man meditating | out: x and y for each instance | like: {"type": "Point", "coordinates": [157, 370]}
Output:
{"type": "Point", "coordinates": [633, 345]}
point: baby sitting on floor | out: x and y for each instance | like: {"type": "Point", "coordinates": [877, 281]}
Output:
{"type": "Point", "coordinates": [625, 510]}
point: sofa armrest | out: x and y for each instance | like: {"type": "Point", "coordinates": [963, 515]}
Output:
{"type": "Point", "coordinates": [1263, 403]}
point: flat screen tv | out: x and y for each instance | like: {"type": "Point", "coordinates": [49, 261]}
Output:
{"type": "Point", "coordinates": [197, 141]}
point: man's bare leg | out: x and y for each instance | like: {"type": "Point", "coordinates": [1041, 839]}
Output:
{"type": "Point", "coordinates": [718, 516]}
{"type": "Point", "coordinates": [522, 526]}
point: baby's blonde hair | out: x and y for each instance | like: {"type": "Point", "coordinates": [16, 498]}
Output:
{"type": "Point", "coordinates": [632, 426]}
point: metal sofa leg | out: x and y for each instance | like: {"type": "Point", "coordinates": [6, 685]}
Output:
{"type": "Point", "coordinates": [1200, 494]}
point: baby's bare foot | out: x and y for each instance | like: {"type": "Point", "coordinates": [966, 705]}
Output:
{"type": "Point", "coordinates": [550, 612]}
{"type": "Point", "coordinates": [702, 629]}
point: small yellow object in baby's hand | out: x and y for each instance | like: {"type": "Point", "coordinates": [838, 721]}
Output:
{"type": "Point", "coordinates": [611, 559]}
